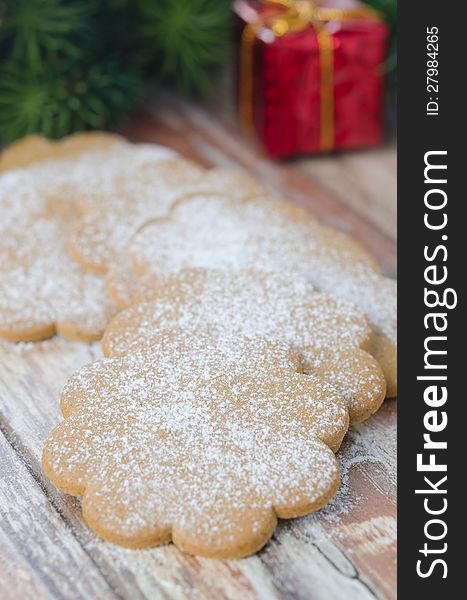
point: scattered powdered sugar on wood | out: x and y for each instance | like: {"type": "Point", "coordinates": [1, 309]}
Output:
{"type": "Point", "coordinates": [356, 453]}
{"type": "Point", "coordinates": [19, 348]}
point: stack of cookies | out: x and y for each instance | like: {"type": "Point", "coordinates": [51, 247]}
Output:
{"type": "Point", "coordinates": [240, 336]}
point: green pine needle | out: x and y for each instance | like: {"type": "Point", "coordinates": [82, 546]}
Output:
{"type": "Point", "coordinates": [187, 41]}
{"type": "Point", "coordinates": [64, 102]}
{"type": "Point", "coordinates": [36, 31]}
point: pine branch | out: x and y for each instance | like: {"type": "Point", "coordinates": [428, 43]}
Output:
{"type": "Point", "coordinates": [186, 41]}
{"type": "Point", "coordinates": [58, 103]}
{"type": "Point", "coordinates": [35, 31]}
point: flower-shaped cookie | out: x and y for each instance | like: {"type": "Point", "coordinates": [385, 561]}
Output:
{"type": "Point", "coordinates": [200, 441]}
{"type": "Point", "coordinates": [262, 234]}
{"type": "Point", "coordinates": [329, 335]}
{"type": "Point", "coordinates": [42, 290]}
{"type": "Point", "coordinates": [209, 230]}
{"type": "Point", "coordinates": [112, 216]}
{"type": "Point", "coordinates": [123, 282]}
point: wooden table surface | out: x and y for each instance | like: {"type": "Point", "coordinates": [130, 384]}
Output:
{"type": "Point", "coordinates": [346, 551]}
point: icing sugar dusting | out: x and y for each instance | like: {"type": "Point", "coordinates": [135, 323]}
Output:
{"type": "Point", "coordinates": [326, 333]}
{"type": "Point", "coordinates": [114, 214]}
{"type": "Point", "coordinates": [217, 232]}
{"type": "Point", "coordinates": [42, 288]}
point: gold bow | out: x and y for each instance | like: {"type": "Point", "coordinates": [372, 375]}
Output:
{"type": "Point", "coordinates": [293, 16]}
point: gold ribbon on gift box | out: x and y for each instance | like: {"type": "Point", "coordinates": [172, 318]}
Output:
{"type": "Point", "coordinates": [297, 15]}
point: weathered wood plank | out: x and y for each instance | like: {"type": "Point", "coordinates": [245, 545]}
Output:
{"type": "Point", "coordinates": [365, 181]}
{"type": "Point", "coordinates": [40, 556]}
{"type": "Point", "coordinates": [307, 556]}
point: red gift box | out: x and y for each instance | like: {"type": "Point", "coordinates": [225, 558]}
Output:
{"type": "Point", "coordinates": [310, 74]}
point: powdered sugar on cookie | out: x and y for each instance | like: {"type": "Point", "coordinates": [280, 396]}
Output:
{"type": "Point", "coordinates": [114, 214]}
{"type": "Point", "coordinates": [42, 290]}
{"type": "Point", "coordinates": [193, 443]}
{"type": "Point", "coordinates": [219, 233]}
{"type": "Point", "coordinates": [329, 335]}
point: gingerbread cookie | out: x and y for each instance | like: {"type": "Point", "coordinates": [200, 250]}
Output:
{"type": "Point", "coordinates": [330, 336]}
{"type": "Point", "coordinates": [42, 290]}
{"type": "Point", "coordinates": [123, 283]}
{"type": "Point", "coordinates": [108, 225]}
{"type": "Point", "coordinates": [218, 233]}
{"type": "Point", "coordinates": [35, 148]}
{"type": "Point", "coordinates": [206, 230]}
{"type": "Point", "coordinates": [123, 280]}
{"type": "Point", "coordinates": [200, 441]}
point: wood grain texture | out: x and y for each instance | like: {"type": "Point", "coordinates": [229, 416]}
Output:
{"type": "Point", "coordinates": [41, 556]}
{"type": "Point", "coordinates": [347, 550]}
{"type": "Point", "coordinates": [364, 181]}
